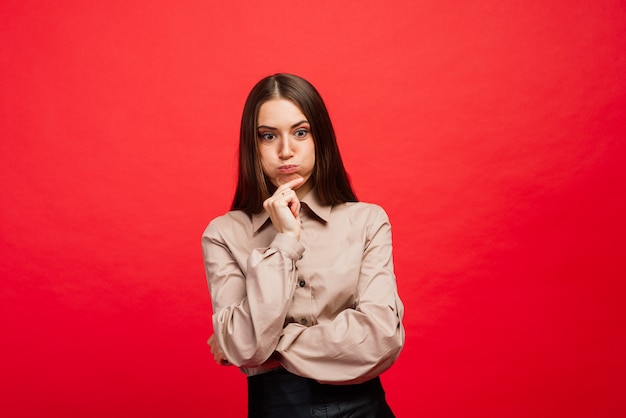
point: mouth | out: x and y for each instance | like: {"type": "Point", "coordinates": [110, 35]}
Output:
{"type": "Point", "coordinates": [288, 168]}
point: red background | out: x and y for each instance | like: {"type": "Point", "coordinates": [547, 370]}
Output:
{"type": "Point", "coordinates": [492, 132]}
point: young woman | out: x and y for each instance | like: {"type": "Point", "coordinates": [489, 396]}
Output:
{"type": "Point", "coordinates": [300, 273]}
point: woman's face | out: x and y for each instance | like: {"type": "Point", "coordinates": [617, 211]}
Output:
{"type": "Point", "coordinates": [285, 143]}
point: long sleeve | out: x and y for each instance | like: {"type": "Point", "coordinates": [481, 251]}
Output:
{"type": "Point", "coordinates": [250, 291]}
{"type": "Point", "coordinates": [363, 340]}
{"type": "Point", "coordinates": [325, 307]}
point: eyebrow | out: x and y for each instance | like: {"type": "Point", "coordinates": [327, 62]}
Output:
{"type": "Point", "coordinates": [295, 125]}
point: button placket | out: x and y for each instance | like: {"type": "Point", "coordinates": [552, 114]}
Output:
{"type": "Point", "coordinates": [302, 289]}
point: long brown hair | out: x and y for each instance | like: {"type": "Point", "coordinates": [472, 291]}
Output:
{"type": "Point", "coordinates": [329, 175]}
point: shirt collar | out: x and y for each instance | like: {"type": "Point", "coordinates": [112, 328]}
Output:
{"type": "Point", "coordinates": [309, 202]}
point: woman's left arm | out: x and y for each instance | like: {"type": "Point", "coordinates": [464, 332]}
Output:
{"type": "Point", "coordinates": [360, 343]}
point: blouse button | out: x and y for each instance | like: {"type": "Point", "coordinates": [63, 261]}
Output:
{"type": "Point", "coordinates": [303, 321]}
{"type": "Point", "coordinates": [302, 283]}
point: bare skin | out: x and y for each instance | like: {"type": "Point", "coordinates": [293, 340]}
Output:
{"type": "Point", "coordinates": [217, 352]}
{"type": "Point", "coordinates": [284, 208]}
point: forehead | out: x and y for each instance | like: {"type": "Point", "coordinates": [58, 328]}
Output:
{"type": "Point", "coordinates": [278, 112]}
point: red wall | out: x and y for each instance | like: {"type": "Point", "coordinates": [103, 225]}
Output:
{"type": "Point", "coordinates": [492, 132]}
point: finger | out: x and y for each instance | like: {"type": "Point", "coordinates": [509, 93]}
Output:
{"type": "Point", "coordinates": [289, 185]}
{"type": "Point", "coordinates": [290, 199]}
{"type": "Point", "coordinates": [294, 207]}
{"type": "Point", "coordinates": [282, 198]}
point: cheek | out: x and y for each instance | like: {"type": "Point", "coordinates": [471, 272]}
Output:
{"type": "Point", "coordinates": [264, 161]}
{"type": "Point", "coordinates": [265, 167]}
{"type": "Point", "coordinates": [268, 173]}
{"type": "Point", "coordinates": [312, 156]}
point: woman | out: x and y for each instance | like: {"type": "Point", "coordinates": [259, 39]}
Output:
{"type": "Point", "coordinates": [301, 273]}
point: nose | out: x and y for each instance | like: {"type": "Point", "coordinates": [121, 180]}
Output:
{"type": "Point", "coordinates": [286, 150]}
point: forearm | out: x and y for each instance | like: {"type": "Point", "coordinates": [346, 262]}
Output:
{"type": "Point", "coordinates": [357, 346]}
{"type": "Point", "coordinates": [365, 338]}
{"type": "Point", "coordinates": [249, 312]}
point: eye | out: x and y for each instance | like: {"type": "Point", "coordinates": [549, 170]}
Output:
{"type": "Point", "coordinates": [301, 133]}
{"type": "Point", "coordinates": [266, 136]}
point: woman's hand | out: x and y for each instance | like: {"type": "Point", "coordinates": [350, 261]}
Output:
{"type": "Point", "coordinates": [284, 208]}
{"type": "Point", "coordinates": [218, 354]}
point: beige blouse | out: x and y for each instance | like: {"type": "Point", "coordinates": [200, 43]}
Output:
{"type": "Point", "coordinates": [325, 307]}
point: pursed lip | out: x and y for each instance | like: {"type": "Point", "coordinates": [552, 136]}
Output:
{"type": "Point", "coordinates": [288, 168]}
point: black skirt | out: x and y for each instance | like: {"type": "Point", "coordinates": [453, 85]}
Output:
{"type": "Point", "coordinates": [280, 394]}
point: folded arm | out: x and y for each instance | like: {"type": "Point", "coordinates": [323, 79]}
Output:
{"type": "Point", "coordinates": [360, 343]}
{"type": "Point", "coordinates": [249, 332]}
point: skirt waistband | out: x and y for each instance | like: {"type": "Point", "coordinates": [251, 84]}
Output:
{"type": "Point", "coordinates": [279, 393]}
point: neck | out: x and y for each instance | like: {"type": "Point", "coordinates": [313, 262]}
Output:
{"type": "Point", "coordinates": [303, 190]}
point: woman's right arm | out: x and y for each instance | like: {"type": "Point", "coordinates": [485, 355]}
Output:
{"type": "Point", "coordinates": [248, 332]}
